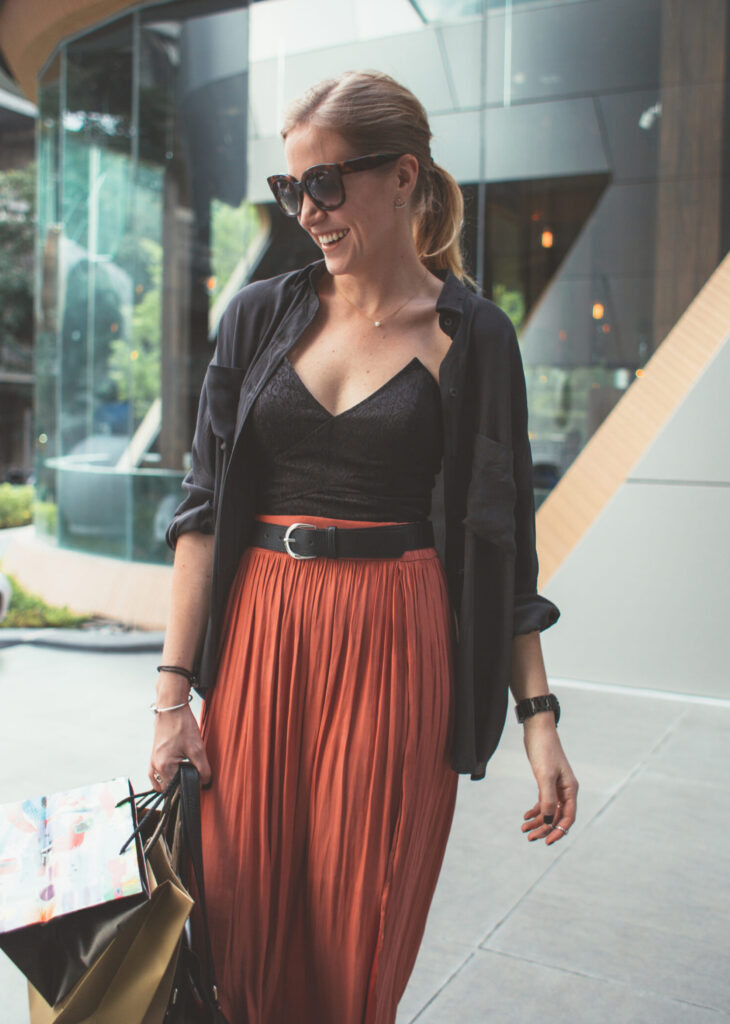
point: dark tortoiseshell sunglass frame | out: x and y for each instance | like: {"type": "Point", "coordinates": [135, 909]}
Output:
{"type": "Point", "coordinates": [278, 183]}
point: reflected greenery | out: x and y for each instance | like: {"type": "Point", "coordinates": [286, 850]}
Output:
{"type": "Point", "coordinates": [134, 363]}
{"type": "Point", "coordinates": [17, 226]}
{"type": "Point", "coordinates": [232, 230]}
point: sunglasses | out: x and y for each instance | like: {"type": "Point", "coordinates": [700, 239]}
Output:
{"type": "Point", "coordinates": [322, 183]}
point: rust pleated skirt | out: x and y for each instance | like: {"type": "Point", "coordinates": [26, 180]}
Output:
{"type": "Point", "coordinates": [328, 733]}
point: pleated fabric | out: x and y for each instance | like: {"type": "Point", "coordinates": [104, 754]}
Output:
{"type": "Point", "coordinates": [325, 827]}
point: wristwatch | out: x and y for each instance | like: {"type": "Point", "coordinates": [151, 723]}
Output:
{"type": "Point", "coordinates": [531, 705]}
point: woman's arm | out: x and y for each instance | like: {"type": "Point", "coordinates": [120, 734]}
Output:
{"type": "Point", "coordinates": [557, 785]}
{"type": "Point", "coordinates": [176, 734]}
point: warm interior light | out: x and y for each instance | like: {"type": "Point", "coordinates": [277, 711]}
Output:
{"type": "Point", "coordinates": [598, 310]}
{"type": "Point", "coordinates": [547, 239]}
{"type": "Point", "coordinates": [606, 328]}
{"type": "Point", "coordinates": [639, 372]}
{"type": "Point", "coordinates": [211, 283]}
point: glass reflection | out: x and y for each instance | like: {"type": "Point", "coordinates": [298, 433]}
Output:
{"type": "Point", "coordinates": [130, 117]}
{"type": "Point", "coordinates": [589, 139]}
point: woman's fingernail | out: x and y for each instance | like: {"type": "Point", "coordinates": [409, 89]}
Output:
{"type": "Point", "coordinates": [548, 819]}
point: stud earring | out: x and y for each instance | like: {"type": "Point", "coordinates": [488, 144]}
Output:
{"type": "Point", "coordinates": [400, 203]}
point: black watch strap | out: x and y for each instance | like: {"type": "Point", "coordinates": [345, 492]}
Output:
{"type": "Point", "coordinates": [531, 705]}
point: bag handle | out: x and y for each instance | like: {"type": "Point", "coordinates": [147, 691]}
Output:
{"type": "Point", "coordinates": [190, 816]}
{"type": "Point", "coordinates": [185, 788]}
{"type": "Point", "coordinates": [151, 801]}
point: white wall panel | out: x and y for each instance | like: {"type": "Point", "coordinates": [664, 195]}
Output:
{"type": "Point", "coordinates": [543, 140]}
{"type": "Point", "coordinates": [644, 594]}
{"type": "Point", "coordinates": [455, 144]}
{"type": "Point", "coordinates": [695, 443]}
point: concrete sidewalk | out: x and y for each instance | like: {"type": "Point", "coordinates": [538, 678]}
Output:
{"type": "Point", "coordinates": [625, 920]}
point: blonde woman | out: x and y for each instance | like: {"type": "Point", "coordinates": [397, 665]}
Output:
{"type": "Point", "coordinates": [355, 576]}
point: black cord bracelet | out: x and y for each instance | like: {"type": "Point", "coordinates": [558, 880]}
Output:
{"type": "Point", "coordinates": [179, 671]}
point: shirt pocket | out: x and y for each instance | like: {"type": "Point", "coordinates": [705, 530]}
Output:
{"type": "Point", "coordinates": [490, 498]}
{"type": "Point", "coordinates": [223, 388]}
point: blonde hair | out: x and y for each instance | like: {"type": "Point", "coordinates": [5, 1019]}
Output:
{"type": "Point", "coordinates": [374, 113]}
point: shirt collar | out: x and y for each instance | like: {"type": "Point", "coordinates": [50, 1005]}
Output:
{"type": "Point", "coordinates": [452, 294]}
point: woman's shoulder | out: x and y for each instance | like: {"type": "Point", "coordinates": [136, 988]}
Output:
{"type": "Point", "coordinates": [490, 329]}
{"type": "Point", "coordinates": [253, 310]}
{"type": "Point", "coordinates": [488, 313]}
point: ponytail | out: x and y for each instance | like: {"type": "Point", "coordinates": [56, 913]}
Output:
{"type": "Point", "coordinates": [438, 218]}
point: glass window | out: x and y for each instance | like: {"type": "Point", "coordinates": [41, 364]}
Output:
{"type": "Point", "coordinates": [143, 149]}
{"type": "Point", "coordinates": [590, 141]}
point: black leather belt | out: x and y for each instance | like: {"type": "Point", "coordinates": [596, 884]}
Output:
{"type": "Point", "coordinates": [304, 540]}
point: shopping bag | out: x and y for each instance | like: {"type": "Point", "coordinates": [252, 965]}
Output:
{"type": "Point", "coordinates": [93, 921]}
{"type": "Point", "coordinates": [130, 983]}
{"type": "Point", "coordinates": [65, 890]}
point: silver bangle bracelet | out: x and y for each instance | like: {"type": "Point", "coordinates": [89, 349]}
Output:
{"type": "Point", "coordinates": [175, 707]}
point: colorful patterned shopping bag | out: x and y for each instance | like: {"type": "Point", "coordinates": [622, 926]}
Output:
{"type": "Point", "coordinates": [78, 916]}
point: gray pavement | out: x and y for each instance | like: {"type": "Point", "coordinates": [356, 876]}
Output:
{"type": "Point", "coordinates": [625, 920]}
{"type": "Point", "coordinates": [6, 537]}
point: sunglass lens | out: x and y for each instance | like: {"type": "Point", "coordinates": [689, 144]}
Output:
{"type": "Point", "coordinates": [325, 187]}
{"type": "Point", "coordinates": [286, 196]}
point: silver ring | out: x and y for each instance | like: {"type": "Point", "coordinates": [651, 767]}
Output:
{"type": "Point", "coordinates": [563, 830]}
{"type": "Point", "coordinates": [157, 778]}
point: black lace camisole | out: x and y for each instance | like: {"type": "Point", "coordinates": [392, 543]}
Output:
{"type": "Point", "coordinates": [375, 461]}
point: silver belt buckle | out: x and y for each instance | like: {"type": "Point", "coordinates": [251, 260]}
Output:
{"type": "Point", "coordinates": [287, 539]}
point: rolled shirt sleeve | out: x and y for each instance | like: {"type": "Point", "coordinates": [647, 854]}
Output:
{"type": "Point", "coordinates": [197, 510]}
{"type": "Point", "coordinates": [532, 611]}
{"type": "Point", "coordinates": [244, 321]}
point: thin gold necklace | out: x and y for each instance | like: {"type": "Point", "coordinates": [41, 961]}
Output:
{"type": "Point", "coordinates": [381, 321]}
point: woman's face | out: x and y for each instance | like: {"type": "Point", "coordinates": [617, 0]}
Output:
{"type": "Point", "coordinates": [359, 234]}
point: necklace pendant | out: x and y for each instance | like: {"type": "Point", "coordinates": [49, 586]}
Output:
{"type": "Point", "coordinates": [378, 323]}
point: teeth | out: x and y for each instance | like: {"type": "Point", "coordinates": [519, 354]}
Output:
{"type": "Point", "coordinates": [334, 237]}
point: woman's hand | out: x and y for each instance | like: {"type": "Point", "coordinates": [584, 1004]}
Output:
{"type": "Point", "coordinates": [176, 732]}
{"type": "Point", "coordinates": [176, 737]}
{"type": "Point", "coordinates": [556, 808]}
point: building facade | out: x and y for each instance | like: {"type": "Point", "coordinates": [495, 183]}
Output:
{"type": "Point", "coordinates": [590, 137]}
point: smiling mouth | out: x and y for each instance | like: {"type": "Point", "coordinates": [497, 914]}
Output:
{"type": "Point", "coordinates": [331, 239]}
